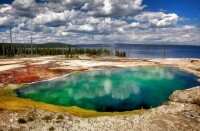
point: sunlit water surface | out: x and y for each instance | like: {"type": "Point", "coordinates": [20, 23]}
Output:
{"type": "Point", "coordinates": [111, 90]}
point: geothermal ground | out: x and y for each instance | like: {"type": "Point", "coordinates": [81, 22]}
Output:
{"type": "Point", "coordinates": [182, 112]}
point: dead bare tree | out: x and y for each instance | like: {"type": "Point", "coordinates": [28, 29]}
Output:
{"type": "Point", "coordinates": [11, 50]}
{"type": "Point", "coordinates": [3, 46]}
{"type": "Point", "coordinates": [31, 45]}
{"type": "Point", "coordinates": [31, 39]}
{"type": "Point", "coordinates": [10, 34]}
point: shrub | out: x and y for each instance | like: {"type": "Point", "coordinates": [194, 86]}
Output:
{"type": "Point", "coordinates": [47, 118]}
{"type": "Point", "coordinates": [60, 117]}
{"type": "Point", "coordinates": [22, 121]}
{"type": "Point", "coordinates": [51, 128]}
{"type": "Point", "coordinates": [30, 118]}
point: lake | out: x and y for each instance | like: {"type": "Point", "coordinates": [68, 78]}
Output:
{"type": "Point", "coordinates": [121, 89]}
{"type": "Point", "coordinates": [149, 51]}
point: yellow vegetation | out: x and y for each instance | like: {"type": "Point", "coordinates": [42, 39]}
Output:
{"type": "Point", "coordinates": [9, 101]}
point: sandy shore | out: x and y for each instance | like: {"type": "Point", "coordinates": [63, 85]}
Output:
{"type": "Point", "coordinates": [174, 115]}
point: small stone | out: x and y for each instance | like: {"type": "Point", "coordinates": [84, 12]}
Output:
{"type": "Point", "coordinates": [192, 114]}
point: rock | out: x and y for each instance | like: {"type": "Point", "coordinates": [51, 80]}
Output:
{"type": "Point", "coordinates": [192, 114]}
{"type": "Point", "coordinates": [193, 61]}
{"type": "Point", "coordinates": [1, 85]}
{"type": "Point", "coordinates": [191, 96]}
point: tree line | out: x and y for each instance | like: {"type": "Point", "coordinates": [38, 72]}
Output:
{"type": "Point", "coordinates": [12, 50]}
{"type": "Point", "coordinates": [120, 53]}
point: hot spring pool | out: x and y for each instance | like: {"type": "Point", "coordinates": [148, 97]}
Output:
{"type": "Point", "coordinates": [111, 90]}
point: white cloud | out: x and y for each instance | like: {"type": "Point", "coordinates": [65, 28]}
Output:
{"type": "Point", "coordinates": [113, 7]}
{"type": "Point", "coordinates": [23, 4]}
{"type": "Point", "coordinates": [107, 8]}
{"type": "Point", "coordinates": [94, 22]}
{"type": "Point", "coordinates": [158, 19]}
{"type": "Point", "coordinates": [4, 8]}
{"type": "Point", "coordinates": [121, 30]}
{"type": "Point", "coordinates": [189, 27]}
{"type": "Point", "coordinates": [81, 28]}
{"type": "Point", "coordinates": [6, 20]}
{"type": "Point", "coordinates": [24, 8]}
{"type": "Point", "coordinates": [53, 19]}
{"type": "Point", "coordinates": [110, 25]}
{"type": "Point", "coordinates": [71, 3]}
{"type": "Point", "coordinates": [134, 24]}
{"type": "Point", "coordinates": [166, 20]}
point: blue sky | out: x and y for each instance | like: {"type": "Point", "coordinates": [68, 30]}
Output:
{"type": "Point", "coordinates": [102, 21]}
{"type": "Point", "coordinates": [185, 8]}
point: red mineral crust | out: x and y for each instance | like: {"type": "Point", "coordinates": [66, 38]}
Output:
{"type": "Point", "coordinates": [30, 74]}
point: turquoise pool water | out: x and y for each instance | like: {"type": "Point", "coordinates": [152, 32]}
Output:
{"type": "Point", "coordinates": [111, 90]}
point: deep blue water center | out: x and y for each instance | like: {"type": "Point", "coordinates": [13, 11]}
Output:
{"type": "Point", "coordinates": [122, 89]}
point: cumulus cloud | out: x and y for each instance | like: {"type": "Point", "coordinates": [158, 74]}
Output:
{"type": "Point", "coordinates": [93, 21]}
{"type": "Point", "coordinates": [80, 28]}
{"type": "Point", "coordinates": [71, 3]}
{"type": "Point", "coordinates": [158, 19]}
{"type": "Point", "coordinates": [5, 18]}
{"type": "Point", "coordinates": [134, 25]}
{"type": "Point", "coordinates": [54, 19]}
{"type": "Point", "coordinates": [165, 20]}
{"type": "Point", "coordinates": [24, 8]}
{"type": "Point", "coordinates": [103, 8]}
{"type": "Point", "coordinates": [4, 8]}
{"type": "Point", "coordinates": [6, 21]}
{"type": "Point", "coordinates": [23, 4]}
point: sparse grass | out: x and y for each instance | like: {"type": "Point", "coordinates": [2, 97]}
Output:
{"type": "Point", "coordinates": [22, 121]}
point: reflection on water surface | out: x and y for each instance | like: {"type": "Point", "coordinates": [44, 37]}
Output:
{"type": "Point", "coordinates": [112, 90]}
